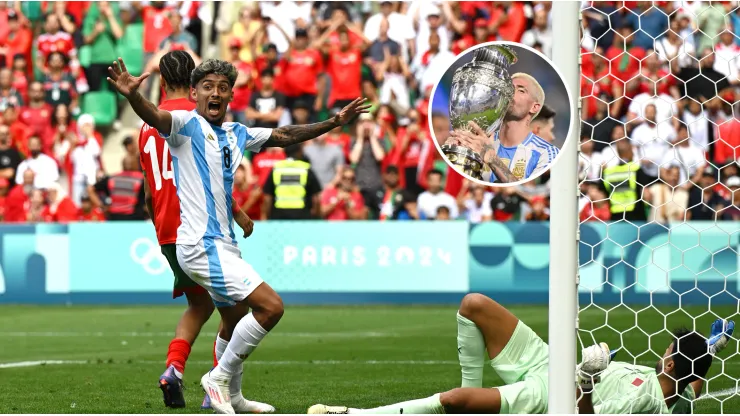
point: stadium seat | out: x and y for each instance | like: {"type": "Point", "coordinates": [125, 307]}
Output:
{"type": "Point", "coordinates": [85, 56]}
{"type": "Point", "coordinates": [130, 48]}
{"type": "Point", "coordinates": [101, 105]}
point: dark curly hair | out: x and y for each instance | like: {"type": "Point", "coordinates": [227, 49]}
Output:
{"type": "Point", "coordinates": [176, 67]}
{"type": "Point", "coordinates": [214, 66]}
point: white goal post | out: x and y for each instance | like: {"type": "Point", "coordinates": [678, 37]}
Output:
{"type": "Point", "coordinates": [563, 288]}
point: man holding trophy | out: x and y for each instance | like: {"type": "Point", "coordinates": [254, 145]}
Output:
{"type": "Point", "coordinates": [490, 113]}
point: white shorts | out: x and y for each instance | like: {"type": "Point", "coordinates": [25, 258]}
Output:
{"type": "Point", "coordinates": [218, 267]}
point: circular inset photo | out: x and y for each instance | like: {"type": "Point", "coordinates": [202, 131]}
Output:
{"type": "Point", "coordinates": [509, 113]}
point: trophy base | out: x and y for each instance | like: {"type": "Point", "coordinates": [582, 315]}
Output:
{"type": "Point", "coordinates": [465, 160]}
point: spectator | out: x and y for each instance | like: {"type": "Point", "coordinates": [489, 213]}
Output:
{"type": "Point", "coordinates": [732, 212]}
{"type": "Point", "coordinates": [20, 133]}
{"type": "Point", "coordinates": [248, 193]}
{"type": "Point", "coordinates": [673, 50]}
{"type": "Point", "coordinates": [89, 212]}
{"type": "Point", "coordinates": [266, 105]}
{"type": "Point", "coordinates": [429, 21]}
{"type": "Point", "coordinates": [432, 65]}
{"type": "Point", "coordinates": [434, 197]}
{"type": "Point", "coordinates": [268, 61]}
{"type": "Point", "coordinates": [343, 201]}
{"type": "Point", "coordinates": [703, 82]}
{"type": "Point", "coordinates": [18, 41]}
{"type": "Point", "coordinates": [343, 65]}
{"type": "Point", "coordinates": [596, 207]}
{"type": "Point", "coordinates": [156, 27]}
{"type": "Point", "coordinates": [540, 32]}
{"type": "Point", "coordinates": [291, 196]}
{"type": "Point", "coordinates": [698, 121]}
{"type": "Point", "coordinates": [179, 38]}
{"type": "Point", "coordinates": [243, 34]}
{"type": "Point", "coordinates": [506, 204]}
{"type": "Point", "coordinates": [727, 146]}
{"type": "Point", "coordinates": [326, 160]}
{"type": "Point", "coordinates": [338, 137]}
{"type": "Point", "coordinates": [4, 189]}
{"type": "Point", "coordinates": [381, 41]}
{"type": "Point", "coordinates": [408, 142]}
{"type": "Point", "coordinates": [544, 124]}
{"type": "Point", "coordinates": [63, 131]}
{"type": "Point", "coordinates": [244, 85]}
{"type": "Point", "coordinates": [665, 107]}
{"type": "Point", "coordinates": [725, 53]}
{"type": "Point", "coordinates": [393, 75]}
{"type": "Point", "coordinates": [129, 146]}
{"type": "Point", "coordinates": [101, 30]}
{"type": "Point", "coordinates": [36, 207]}
{"type": "Point", "coordinates": [710, 21]}
{"type": "Point", "coordinates": [19, 197]}
{"type": "Point", "coordinates": [624, 60]}
{"type": "Point", "coordinates": [60, 207]}
{"type": "Point", "coordinates": [443, 213]}
{"type": "Point", "coordinates": [668, 199]}
{"type": "Point", "coordinates": [59, 83]}
{"type": "Point", "coordinates": [124, 193]}
{"type": "Point", "coordinates": [627, 196]}
{"type": "Point", "coordinates": [704, 203]}
{"type": "Point", "coordinates": [37, 115]}
{"type": "Point", "coordinates": [686, 155]}
{"type": "Point", "coordinates": [302, 66]}
{"type": "Point", "coordinates": [264, 161]}
{"type": "Point", "coordinates": [652, 140]}
{"type": "Point", "coordinates": [81, 153]}
{"type": "Point", "coordinates": [56, 39]}
{"type": "Point", "coordinates": [476, 203]}
{"type": "Point", "coordinates": [10, 158]}
{"type": "Point", "coordinates": [9, 96]}
{"type": "Point", "coordinates": [44, 167]}
{"type": "Point", "coordinates": [20, 76]}
{"type": "Point", "coordinates": [538, 212]}
{"type": "Point", "coordinates": [652, 22]}
{"type": "Point", "coordinates": [480, 34]}
{"type": "Point", "coordinates": [390, 27]}
{"type": "Point", "coordinates": [366, 155]}
{"type": "Point", "coordinates": [397, 203]}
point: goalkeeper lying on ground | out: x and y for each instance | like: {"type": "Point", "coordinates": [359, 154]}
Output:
{"type": "Point", "coordinates": [520, 358]}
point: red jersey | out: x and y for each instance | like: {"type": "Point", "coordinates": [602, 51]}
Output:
{"type": "Point", "coordinates": [241, 196]}
{"type": "Point", "coordinates": [58, 42]}
{"type": "Point", "coordinates": [156, 28]}
{"type": "Point", "coordinates": [302, 69]}
{"type": "Point", "coordinates": [94, 215]}
{"type": "Point", "coordinates": [157, 164]}
{"type": "Point", "coordinates": [240, 102]}
{"type": "Point", "coordinates": [727, 146]}
{"type": "Point", "coordinates": [345, 70]}
{"type": "Point", "coordinates": [342, 209]}
{"type": "Point", "coordinates": [39, 120]}
{"type": "Point", "coordinates": [263, 162]}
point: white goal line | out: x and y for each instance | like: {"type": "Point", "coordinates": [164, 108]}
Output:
{"type": "Point", "coordinates": [20, 364]}
{"type": "Point", "coordinates": [135, 334]}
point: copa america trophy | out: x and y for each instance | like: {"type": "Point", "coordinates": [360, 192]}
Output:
{"type": "Point", "coordinates": [481, 92]}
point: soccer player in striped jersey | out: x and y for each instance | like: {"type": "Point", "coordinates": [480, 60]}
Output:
{"type": "Point", "coordinates": [488, 332]}
{"type": "Point", "coordinates": [514, 153]}
{"type": "Point", "coordinates": [164, 208]}
{"type": "Point", "coordinates": [206, 153]}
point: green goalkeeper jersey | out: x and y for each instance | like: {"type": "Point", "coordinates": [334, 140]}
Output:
{"type": "Point", "coordinates": [627, 388]}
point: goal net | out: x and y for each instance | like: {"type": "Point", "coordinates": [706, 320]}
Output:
{"type": "Point", "coordinates": [659, 207]}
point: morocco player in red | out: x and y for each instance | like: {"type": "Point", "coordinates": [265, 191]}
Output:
{"type": "Point", "coordinates": [164, 207]}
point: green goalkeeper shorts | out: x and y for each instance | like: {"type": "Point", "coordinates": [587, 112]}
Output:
{"type": "Point", "coordinates": [522, 365]}
{"type": "Point", "coordinates": [183, 283]}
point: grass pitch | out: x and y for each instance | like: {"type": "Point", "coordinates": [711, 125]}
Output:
{"type": "Point", "coordinates": [108, 359]}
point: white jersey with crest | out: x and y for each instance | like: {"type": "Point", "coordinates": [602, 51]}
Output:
{"type": "Point", "coordinates": [205, 158]}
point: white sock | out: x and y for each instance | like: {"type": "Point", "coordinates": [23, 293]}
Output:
{"type": "Point", "coordinates": [471, 351]}
{"type": "Point", "coordinates": [247, 335]}
{"type": "Point", "coordinates": [221, 345]}
{"type": "Point", "coordinates": [430, 405]}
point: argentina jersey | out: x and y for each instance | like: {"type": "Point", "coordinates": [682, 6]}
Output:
{"type": "Point", "coordinates": [205, 158]}
{"type": "Point", "coordinates": [532, 156]}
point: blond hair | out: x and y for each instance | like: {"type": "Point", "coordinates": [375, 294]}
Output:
{"type": "Point", "coordinates": [538, 93]}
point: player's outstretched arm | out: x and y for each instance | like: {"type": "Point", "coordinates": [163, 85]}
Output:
{"type": "Point", "coordinates": [478, 141]}
{"type": "Point", "coordinates": [289, 135]}
{"type": "Point", "coordinates": [128, 86]}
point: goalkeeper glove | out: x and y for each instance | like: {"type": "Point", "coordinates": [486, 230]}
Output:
{"type": "Point", "coordinates": [594, 361]}
{"type": "Point", "coordinates": [719, 335]}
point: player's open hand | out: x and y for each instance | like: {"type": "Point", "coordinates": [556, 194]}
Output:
{"type": "Point", "coordinates": [352, 110]}
{"type": "Point", "coordinates": [122, 80]}
{"type": "Point", "coordinates": [474, 139]}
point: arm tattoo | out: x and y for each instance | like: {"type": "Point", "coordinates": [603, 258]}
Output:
{"type": "Point", "coordinates": [502, 172]}
{"type": "Point", "coordinates": [290, 135]}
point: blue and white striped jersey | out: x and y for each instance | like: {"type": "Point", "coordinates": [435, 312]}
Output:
{"type": "Point", "coordinates": [205, 158]}
{"type": "Point", "coordinates": [531, 157]}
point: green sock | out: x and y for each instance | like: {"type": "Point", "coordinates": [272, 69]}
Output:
{"type": "Point", "coordinates": [428, 406]}
{"type": "Point", "coordinates": [471, 350]}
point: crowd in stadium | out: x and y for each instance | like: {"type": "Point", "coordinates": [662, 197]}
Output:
{"type": "Point", "coordinates": [302, 61]}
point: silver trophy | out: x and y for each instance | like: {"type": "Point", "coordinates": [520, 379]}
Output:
{"type": "Point", "coordinates": [481, 92]}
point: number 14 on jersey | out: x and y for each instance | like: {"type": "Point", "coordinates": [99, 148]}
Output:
{"type": "Point", "coordinates": [151, 148]}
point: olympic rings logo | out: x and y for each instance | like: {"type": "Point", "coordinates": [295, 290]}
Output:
{"type": "Point", "coordinates": [152, 260]}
